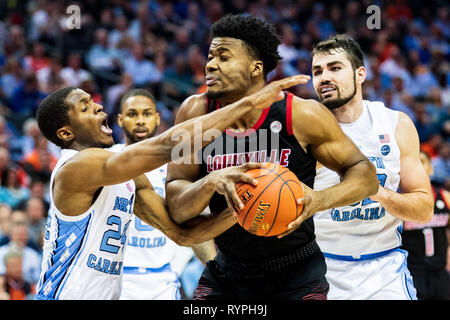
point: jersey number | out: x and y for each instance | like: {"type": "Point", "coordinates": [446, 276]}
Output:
{"type": "Point", "coordinates": [429, 241]}
{"type": "Point", "coordinates": [118, 234]}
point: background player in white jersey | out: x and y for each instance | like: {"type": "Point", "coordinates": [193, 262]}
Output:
{"type": "Point", "coordinates": [93, 198]}
{"type": "Point", "coordinates": [152, 260]}
{"type": "Point", "coordinates": [361, 241]}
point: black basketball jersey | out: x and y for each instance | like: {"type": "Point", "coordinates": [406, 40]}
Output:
{"type": "Point", "coordinates": [271, 139]}
{"type": "Point", "coordinates": [427, 243]}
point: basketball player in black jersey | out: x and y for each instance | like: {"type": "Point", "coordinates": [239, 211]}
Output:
{"type": "Point", "coordinates": [293, 132]}
{"type": "Point", "coordinates": [427, 246]}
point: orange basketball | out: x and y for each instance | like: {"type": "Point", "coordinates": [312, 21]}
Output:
{"type": "Point", "coordinates": [272, 204]}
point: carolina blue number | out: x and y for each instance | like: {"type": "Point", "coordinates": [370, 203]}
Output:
{"type": "Point", "coordinates": [114, 234]}
{"type": "Point", "coordinates": [142, 226]}
{"type": "Point", "coordinates": [382, 179]}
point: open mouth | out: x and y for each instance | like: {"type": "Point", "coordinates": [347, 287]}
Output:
{"type": "Point", "coordinates": [327, 91]}
{"type": "Point", "coordinates": [141, 132]}
{"type": "Point", "coordinates": [105, 128]}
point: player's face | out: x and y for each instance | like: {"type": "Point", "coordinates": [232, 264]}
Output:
{"type": "Point", "coordinates": [334, 79]}
{"type": "Point", "coordinates": [228, 71]}
{"type": "Point", "coordinates": [87, 121]}
{"type": "Point", "coordinates": [139, 119]}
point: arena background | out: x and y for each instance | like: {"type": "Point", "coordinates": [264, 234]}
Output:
{"type": "Point", "coordinates": [108, 47]}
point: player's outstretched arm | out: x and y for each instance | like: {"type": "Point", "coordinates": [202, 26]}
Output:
{"type": "Point", "coordinates": [415, 200]}
{"type": "Point", "coordinates": [150, 207]}
{"type": "Point", "coordinates": [100, 167]}
{"type": "Point", "coordinates": [314, 125]}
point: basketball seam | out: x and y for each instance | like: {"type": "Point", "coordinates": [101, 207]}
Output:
{"type": "Point", "coordinates": [248, 211]}
{"type": "Point", "coordinates": [279, 195]}
{"type": "Point", "coordinates": [268, 185]}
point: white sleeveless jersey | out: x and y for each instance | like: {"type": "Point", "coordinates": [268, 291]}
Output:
{"type": "Point", "coordinates": [83, 255]}
{"type": "Point", "coordinates": [363, 230]}
{"type": "Point", "coordinates": [149, 251]}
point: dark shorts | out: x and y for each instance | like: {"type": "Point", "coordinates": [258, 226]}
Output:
{"type": "Point", "coordinates": [303, 280]}
{"type": "Point", "coordinates": [431, 285]}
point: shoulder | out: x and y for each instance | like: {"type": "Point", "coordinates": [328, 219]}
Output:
{"type": "Point", "coordinates": [311, 120]}
{"type": "Point", "coordinates": [308, 108]}
{"type": "Point", "coordinates": [80, 165]}
{"type": "Point", "coordinates": [405, 130]}
{"type": "Point", "coordinates": [193, 106]}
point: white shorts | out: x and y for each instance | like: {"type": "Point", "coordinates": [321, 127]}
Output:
{"type": "Point", "coordinates": [138, 284]}
{"type": "Point", "coordinates": [383, 278]}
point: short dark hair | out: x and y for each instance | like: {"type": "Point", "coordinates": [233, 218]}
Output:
{"type": "Point", "coordinates": [344, 42]}
{"type": "Point", "coordinates": [136, 92]}
{"type": "Point", "coordinates": [52, 115]}
{"type": "Point", "coordinates": [258, 35]}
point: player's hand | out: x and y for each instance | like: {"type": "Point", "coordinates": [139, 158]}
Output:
{"type": "Point", "coordinates": [271, 93]}
{"type": "Point", "coordinates": [311, 201]}
{"type": "Point", "coordinates": [224, 182]}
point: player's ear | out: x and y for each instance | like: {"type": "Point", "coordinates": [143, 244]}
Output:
{"type": "Point", "coordinates": [361, 73]}
{"type": "Point", "coordinates": [120, 120]}
{"type": "Point", "coordinates": [65, 134]}
{"type": "Point", "coordinates": [158, 119]}
{"type": "Point", "coordinates": [257, 68]}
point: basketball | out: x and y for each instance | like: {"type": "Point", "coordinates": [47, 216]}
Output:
{"type": "Point", "coordinates": [272, 204]}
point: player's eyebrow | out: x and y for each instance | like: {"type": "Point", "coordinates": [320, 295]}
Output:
{"type": "Point", "coordinates": [328, 64]}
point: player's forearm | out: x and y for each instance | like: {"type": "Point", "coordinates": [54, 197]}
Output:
{"type": "Point", "coordinates": [413, 206]}
{"type": "Point", "coordinates": [187, 199]}
{"type": "Point", "coordinates": [204, 228]}
{"type": "Point", "coordinates": [205, 251]}
{"type": "Point", "coordinates": [358, 182]}
{"type": "Point", "coordinates": [182, 141]}
{"type": "Point", "coordinates": [186, 139]}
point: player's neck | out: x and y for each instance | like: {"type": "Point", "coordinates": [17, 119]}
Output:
{"type": "Point", "coordinates": [251, 117]}
{"type": "Point", "coordinates": [349, 112]}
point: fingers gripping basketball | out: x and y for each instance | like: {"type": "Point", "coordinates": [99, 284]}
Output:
{"type": "Point", "coordinates": [271, 205]}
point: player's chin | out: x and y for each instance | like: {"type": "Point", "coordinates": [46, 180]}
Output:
{"type": "Point", "coordinates": [213, 93]}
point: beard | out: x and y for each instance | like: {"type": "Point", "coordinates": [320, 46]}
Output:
{"type": "Point", "coordinates": [133, 139]}
{"type": "Point", "coordinates": [216, 95]}
{"type": "Point", "coordinates": [339, 101]}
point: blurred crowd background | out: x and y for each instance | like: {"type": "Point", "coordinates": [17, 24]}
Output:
{"type": "Point", "coordinates": [162, 46]}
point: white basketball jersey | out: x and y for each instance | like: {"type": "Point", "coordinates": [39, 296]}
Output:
{"type": "Point", "coordinates": [83, 255]}
{"type": "Point", "coordinates": [365, 229]}
{"type": "Point", "coordinates": [149, 251]}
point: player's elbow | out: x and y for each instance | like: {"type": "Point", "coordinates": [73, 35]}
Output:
{"type": "Point", "coordinates": [370, 176]}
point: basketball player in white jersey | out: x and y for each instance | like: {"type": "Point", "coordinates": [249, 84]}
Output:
{"type": "Point", "coordinates": [361, 241]}
{"type": "Point", "coordinates": [93, 197]}
{"type": "Point", "coordinates": [151, 258]}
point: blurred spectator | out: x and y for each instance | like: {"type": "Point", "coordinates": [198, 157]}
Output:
{"type": "Point", "coordinates": [4, 295]}
{"type": "Point", "coordinates": [102, 59]}
{"type": "Point", "coordinates": [441, 166]}
{"type": "Point", "coordinates": [26, 97]}
{"type": "Point", "coordinates": [142, 70]}
{"type": "Point", "coordinates": [12, 190]}
{"type": "Point", "coordinates": [40, 162]}
{"type": "Point", "coordinates": [5, 219]}
{"type": "Point", "coordinates": [37, 59]}
{"type": "Point", "coordinates": [31, 259]}
{"type": "Point", "coordinates": [11, 77]}
{"type": "Point", "coordinates": [38, 189]}
{"type": "Point", "coordinates": [17, 287]}
{"type": "Point", "coordinates": [49, 77]}
{"type": "Point", "coordinates": [74, 74]}
{"type": "Point", "coordinates": [287, 49]}
{"type": "Point", "coordinates": [37, 216]}
{"type": "Point", "coordinates": [177, 80]}
{"type": "Point", "coordinates": [4, 162]}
